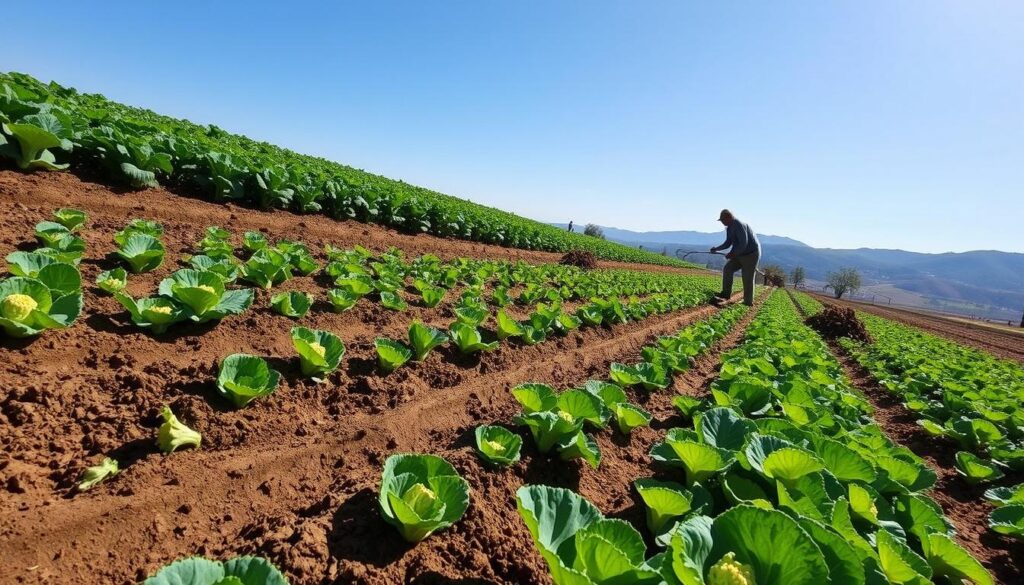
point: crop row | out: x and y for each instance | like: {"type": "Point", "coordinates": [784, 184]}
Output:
{"type": "Point", "coordinates": [962, 394]}
{"type": "Point", "coordinates": [423, 494]}
{"type": "Point", "coordinates": [783, 479]}
{"type": "Point", "coordinates": [201, 292]}
{"type": "Point", "coordinates": [46, 126]}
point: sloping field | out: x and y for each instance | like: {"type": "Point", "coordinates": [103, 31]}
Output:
{"type": "Point", "coordinates": [353, 404]}
{"type": "Point", "coordinates": [294, 476]}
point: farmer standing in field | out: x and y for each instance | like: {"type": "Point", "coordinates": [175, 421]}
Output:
{"type": "Point", "coordinates": [744, 255]}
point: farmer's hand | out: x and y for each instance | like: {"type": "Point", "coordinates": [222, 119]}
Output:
{"type": "Point", "coordinates": [730, 255]}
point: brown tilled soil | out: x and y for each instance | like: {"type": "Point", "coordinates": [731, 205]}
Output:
{"type": "Point", "coordinates": [1004, 344]}
{"type": "Point", "coordinates": [293, 476]}
{"type": "Point", "coordinates": [962, 503]}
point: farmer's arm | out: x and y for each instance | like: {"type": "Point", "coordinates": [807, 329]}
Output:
{"type": "Point", "coordinates": [728, 240]}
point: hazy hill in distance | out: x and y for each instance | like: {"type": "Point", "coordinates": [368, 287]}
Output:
{"type": "Point", "coordinates": [691, 237]}
{"type": "Point", "coordinates": [985, 283]}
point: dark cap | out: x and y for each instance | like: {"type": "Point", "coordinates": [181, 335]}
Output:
{"type": "Point", "coordinates": [725, 213]}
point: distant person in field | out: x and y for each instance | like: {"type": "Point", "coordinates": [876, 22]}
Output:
{"type": "Point", "coordinates": [744, 255]}
{"type": "Point", "coordinates": [570, 225]}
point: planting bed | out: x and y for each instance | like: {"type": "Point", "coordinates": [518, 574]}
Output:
{"type": "Point", "coordinates": [963, 504]}
{"type": "Point", "coordinates": [293, 477]}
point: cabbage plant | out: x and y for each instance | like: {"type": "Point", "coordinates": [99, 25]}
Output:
{"type": "Point", "coordinates": [199, 571]}
{"type": "Point", "coordinates": [432, 295]}
{"type": "Point", "coordinates": [667, 501]}
{"type": "Point", "coordinates": [468, 338]}
{"type": "Point", "coordinates": [294, 304]}
{"type": "Point", "coordinates": [391, 354]}
{"type": "Point", "coordinates": [649, 376]}
{"type": "Point", "coordinates": [507, 326]}
{"type": "Point", "coordinates": [153, 313]}
{"type": "Point", "coordinates": [393, 301]}
{"type": "Point", "coordinates": [1008, 520]}
{"type": "Point", "coordinates": [227, 268]}
{"type": "Point", "coordinates": [28, 264]}
{"type": "Point", "coordinates": [1005, 495]}
{"type": "Point", "coordinates": [342, 299]}
{"type": "Point", "coordinates": [244, 378]}
{"type": "Point", "coordinates": [254, 241]}
{"type": "Point", "coordinates": [266, 268]}
{"type": "Point", "coordinates": [556, 420]}
{"type": "Point", "coordinates": [142, 252]}
{"type": "Point", "coordinates": [73, 219]}
{"type": "Point", "coordinates": [421, 494]}
{"type": "Point", "coordinates": [497, 445]}
{"type": "Point", "coordinates": [750, 545]}
{"type": "Point", "coordinates": [173, 434]}
{"type": "Point", "coordinates": [471, 315]}
{"type": "Point", "coordinates": [112, 281]}
{"type": "Point", "coordinates": [67, 249]}
{"type": "Point", "coordinates": [34, 136]}
{"type": "Point", "coordinates": [147, 227]}
{"type": "Point", "coordinates": [424, 339]}
{"type": "Point", "coordinates": [974, 469]}
{"type": "Point", "coordinates": [629, 416]}
{"type": "Point", "coordinates": [98, 473]}
{"type": "Point", "coordinates": [50, 233]}
{"type": "Point", "coordinates": [580, 545]}
{"type": "Point", "coordinates": [203, 295]}
{"type": "Point", "coordinates": [320, 352]}
{"type": "Point", "coordinates": [700, 460]}
{"type": "Point", "coordinates": [28, 306]}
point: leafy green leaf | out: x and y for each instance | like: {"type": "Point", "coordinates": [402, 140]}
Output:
{"type": "Point", "coordinates": [244, 378]}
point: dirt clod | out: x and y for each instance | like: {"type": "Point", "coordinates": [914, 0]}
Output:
{"type": "Point", "coordinates": [579, 258]}
{"type": "Point", "coordinates": [834, 322]}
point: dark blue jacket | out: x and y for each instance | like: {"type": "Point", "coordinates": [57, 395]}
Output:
{"type": "Point", "coordinates": [742, 238]}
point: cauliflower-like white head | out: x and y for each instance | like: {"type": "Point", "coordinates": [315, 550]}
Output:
{"type": "Point", "coordinates": [318, 349]}
{"type": "Point", "coordinates": [113, 283]}
{"type": "Point", "coordinates": [18, 307]}
{"type": "Point", "coordinates": [729, 571]}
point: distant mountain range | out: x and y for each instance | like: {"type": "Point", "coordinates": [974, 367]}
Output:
{"type": "Point", "coordinates": [984, 282]}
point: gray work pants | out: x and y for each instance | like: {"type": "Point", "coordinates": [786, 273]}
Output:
{"type": "Point", "coordinates": [748, 264]}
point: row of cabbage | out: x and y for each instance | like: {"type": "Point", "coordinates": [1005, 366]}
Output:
{"type": "Point", "coordinates": [783, 478]}
{"type": "Point", "coordinates": [962, 394]}
{"type": "Point", "coordinates": [422, 494]}
{"type": "Point", "coordinates": [45, 291]}
{"type": "Point", "coordinates": [46, 126]}
{"type": "Point", "coordinates": [203, 291]}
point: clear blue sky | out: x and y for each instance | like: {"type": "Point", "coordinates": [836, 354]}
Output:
{"type": "Point", "coordinates": [877, 123]}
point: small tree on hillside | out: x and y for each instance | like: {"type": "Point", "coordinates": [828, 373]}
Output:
{"type": "Point", "coordinates": [797, 277]}
{"type": "Point", "coordinates": [774, 275]}
{"type": "Point", "coordinates": [845, 280]}
{"type": "Point", "coordinates": [594, 231]}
